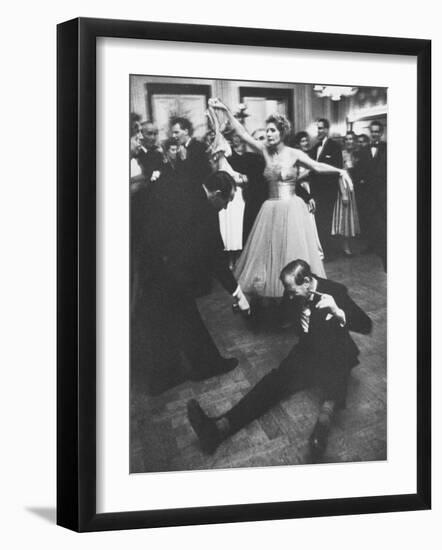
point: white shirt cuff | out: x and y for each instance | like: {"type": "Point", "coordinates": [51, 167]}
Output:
{"type": "Point", "coordinates": [341, 317]}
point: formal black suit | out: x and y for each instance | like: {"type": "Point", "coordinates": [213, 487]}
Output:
{"type": "Point", "coordinates": [255, 191]}
{"type": "Point", "coordinates": [150, 160]}
{"type": "Point", "coordinates": [323, 357]}
{"type": "Point", "coordinates": [196, 162]}
{"type": "Point", "coordinates": [377, 181]}
{"type": "Point", "coordinates": [181, 248]}
{"type": "Point", "coordinates": [362, 188]}
{"type": "Point", "coordinates": [324, 189]}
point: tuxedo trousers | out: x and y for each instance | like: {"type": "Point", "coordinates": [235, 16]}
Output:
{"type": "Point", "coordinates": [372, 207]}
{"type": "Point", "coordinates": [309, 364]}
{"type": "Point", "coordinates": [179, 340]}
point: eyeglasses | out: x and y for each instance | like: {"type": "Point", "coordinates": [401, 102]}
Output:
{"type": "Point", "coordinates": [152, 133]}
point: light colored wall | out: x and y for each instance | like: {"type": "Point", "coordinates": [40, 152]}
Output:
{"type": "Point", "coordinates": [366, 102]}
{"type": "Point", "coordinates": [307, 107]}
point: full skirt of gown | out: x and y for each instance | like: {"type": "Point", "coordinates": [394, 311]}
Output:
{"type": "Point", "coordinates": [345, 220]}
{"type": "Point", "coordinates": [284, 230]}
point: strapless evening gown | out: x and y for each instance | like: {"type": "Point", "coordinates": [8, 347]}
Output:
{"type": "Point", "coordinates": [284, 230]}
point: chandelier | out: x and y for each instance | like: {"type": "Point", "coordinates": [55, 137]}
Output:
{"type": "Point", "coordinates": [334, 92]}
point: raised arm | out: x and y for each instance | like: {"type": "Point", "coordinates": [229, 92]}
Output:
{"type": "Point", "coordinates": [319, 167]}
{"type": "Point", "coordinates": [216, 103]}
{"type": "Point", "coordinates": [323, 168]}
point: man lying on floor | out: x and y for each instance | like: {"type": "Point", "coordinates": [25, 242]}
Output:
{"type": "Point", "coordinates": [324, 314]}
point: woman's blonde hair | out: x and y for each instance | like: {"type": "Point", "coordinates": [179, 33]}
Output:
{"type": "Point", "coordinates": [281, 122]}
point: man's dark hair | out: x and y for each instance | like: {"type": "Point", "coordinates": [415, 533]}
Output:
{"type": "Point", "coordinates": [184, 123]}
{"type": "Point", "coordinates": [377, 123]}
{"type": "Point", "coordinates": [220, 181]}
{"type": "Point", "coordinates": [297, 138]}
{"type": "Point", "coordinates": [364, 137]}
{"type": "Point", "coordinates": [299, 269]}
{"type": "Point", "coordinates": [324, 121]}
{"type": "Point", "coordinates": [135, 123]}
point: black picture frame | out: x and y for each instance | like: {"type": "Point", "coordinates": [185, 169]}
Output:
{"type": "Point", "coordinates": [76, 274]}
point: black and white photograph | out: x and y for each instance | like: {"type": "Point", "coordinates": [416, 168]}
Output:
{"type": "Point", "coordinates": [219, 297]}
{"type": "Point", "coordinates": [258, 273]}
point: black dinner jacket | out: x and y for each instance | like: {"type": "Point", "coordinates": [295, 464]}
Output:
{"type": "Point", "coordinates": [331, 154]}
{"type": "Point", "coordinates": [377, 171]}
{"type": "Point", "coordinates": [361, 168]}
{"type": "Point", "coordinates": [338, 345]}
{"type": "Point", "coordinates": [251, 165]}
{"type": "Point", "coordinates": [196, 165]}
{"type": "Point", "coordinates": [182, 241]}
{"type": "Point", "coordinates": [150, 160]}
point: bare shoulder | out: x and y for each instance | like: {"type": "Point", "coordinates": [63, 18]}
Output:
{"type": "Point", "coordinates": [294, 153]}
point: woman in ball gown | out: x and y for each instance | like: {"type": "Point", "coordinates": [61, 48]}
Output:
{"type": "Point", "coordinates": [284, 229]}
{"type": "Point", "coordinates": [345, 222]}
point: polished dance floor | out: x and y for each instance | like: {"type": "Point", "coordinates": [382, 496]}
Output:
{"type": "Point", "coordinates": [162, 439]}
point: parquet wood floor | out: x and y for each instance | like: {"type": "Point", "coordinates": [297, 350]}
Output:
{"type": "Point", "coordinates": [162, 439]}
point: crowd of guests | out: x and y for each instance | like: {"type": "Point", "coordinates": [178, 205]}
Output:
{"type": "Point", "coordinates": [297, 198]}
{"type": "Point", "coordinates": [341, 214]}
{"type": "Point", "coordinates": [360, 211]}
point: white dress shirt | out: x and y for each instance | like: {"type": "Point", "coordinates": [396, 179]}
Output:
{"type": "Point", "coordinates": [320, 148]}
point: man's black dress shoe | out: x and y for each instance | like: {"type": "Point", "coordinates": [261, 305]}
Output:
{"type": "Point", "coordinates": [204, 427]}
{"type": "Point", "coordinates": [222, 366]}
{"type": "Point", "coordinates": [318, 440]}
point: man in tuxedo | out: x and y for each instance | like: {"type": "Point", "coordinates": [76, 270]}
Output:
{"type": "Point", "coordinates": [324, 355]}
{"type": "Point", "coordinates": [324, 187]}
{"type": "Point", "coordinates": [181, 247]}
{"type": "Point", "coordinates": [370, 181]}
{"type": "Point", "coordinates": [363, 141]}
{"type": "Point", "coordinates": [377, 181]}
{"type": "Point", "coordinates": [150, 155]}
{"type": "Point", "coordinates": [193, 152]}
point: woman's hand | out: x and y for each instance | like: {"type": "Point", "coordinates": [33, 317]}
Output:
{"type": "Point", "coordinates": [347, 180]}
{"type": "Point", "coordinates": [155, 175]}
{"type": "Point", "coordinates": [311, 206]}
{"type": "Point", "coordinates": [216, 103]}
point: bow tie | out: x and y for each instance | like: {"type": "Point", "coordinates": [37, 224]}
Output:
{"type": "Point", "coordinates": [375, 145]}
